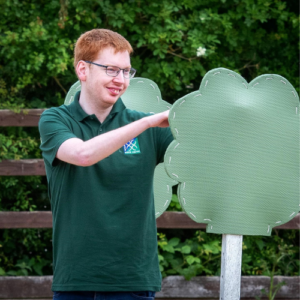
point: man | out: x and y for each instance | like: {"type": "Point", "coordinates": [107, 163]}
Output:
{"type": "Point", "coordinates": [104, 228]}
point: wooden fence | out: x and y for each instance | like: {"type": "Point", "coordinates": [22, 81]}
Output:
{"type": "Point", "coordinates": [174, 287]}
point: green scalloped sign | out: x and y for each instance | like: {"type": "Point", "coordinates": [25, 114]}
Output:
{"type": "Point", "coordinates": [235, 153]}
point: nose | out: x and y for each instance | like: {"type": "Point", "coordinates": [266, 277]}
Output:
{"type": "Point", "coordinates": [120, 77]}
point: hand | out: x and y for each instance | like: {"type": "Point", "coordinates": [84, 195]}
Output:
{"type": "Point", "coordinates": [159, 120]}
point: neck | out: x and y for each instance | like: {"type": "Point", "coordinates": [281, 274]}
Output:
{"type": "Point", "coordinates": [91, 106]}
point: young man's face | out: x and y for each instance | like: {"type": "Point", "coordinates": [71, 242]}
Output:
{"type": "Point", "coordinates": [102, 87]}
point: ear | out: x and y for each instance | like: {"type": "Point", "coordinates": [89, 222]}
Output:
{"type": "Point", "coordinates": [81, 70]}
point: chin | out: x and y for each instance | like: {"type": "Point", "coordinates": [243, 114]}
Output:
{"type": "Point", "coordinates": [111, 100]}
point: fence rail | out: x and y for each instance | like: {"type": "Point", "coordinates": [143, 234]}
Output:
{"type": "Point", "coordinates": [25, 118]}
{"type": "Point", "coordinates": [173, 287]}
{"type": "Point", "coordinates": [171, 220]}
{"type": "Point", "coordinates": [22, 167]}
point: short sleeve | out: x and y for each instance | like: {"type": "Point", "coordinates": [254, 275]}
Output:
{"type": "Point", "coordinates": [53, 131]}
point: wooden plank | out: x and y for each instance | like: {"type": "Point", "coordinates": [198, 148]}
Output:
{"type": "Point", "coordinates": [22, 167]}
{"type": "Point", "coordinates": [170, 219]}
{"type": "Point", "coordinates": [25, 118]}
{"type": "Point", "coordinates": [23, 287]}
{"type": "Point", "coordinates": [178, 220]}
{"type": "Point", "coordinates": [26, 219]}
{"type": "Point", "coordinates": [200, 287]}
{"type": "Point", "coordinates": [176, 287]}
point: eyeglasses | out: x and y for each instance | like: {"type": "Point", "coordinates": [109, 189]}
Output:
{"type": "Point", "coordinates": [114, 71]}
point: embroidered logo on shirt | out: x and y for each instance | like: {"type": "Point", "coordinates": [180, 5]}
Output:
{"type": "Point", "coordinates": [132, 147]}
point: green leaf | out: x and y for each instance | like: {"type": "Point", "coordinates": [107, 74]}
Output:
{"type": "Point", "coordinates": [260, 244]}
{"type": "Point", "coordinates": [12, 273]}
{"type": "Point", "coordinates": [173, 242]}
{"type": "Point", "coordinates": [190, 259]}
{"type": "Point", "coordinates": [186, 249]}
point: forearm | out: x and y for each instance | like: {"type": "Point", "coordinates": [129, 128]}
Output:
{"type": "Point", "coordinates": [99, 147]}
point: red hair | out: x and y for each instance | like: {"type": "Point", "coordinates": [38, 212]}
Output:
{"type": "Point", "coordinates": [91, 42]}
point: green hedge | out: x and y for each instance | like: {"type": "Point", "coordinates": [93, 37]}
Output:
{"type": "Point", "coordinates": [175, 43]}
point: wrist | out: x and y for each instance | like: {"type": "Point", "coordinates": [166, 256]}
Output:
{"type": "Point", "coordinates": [147, 122]}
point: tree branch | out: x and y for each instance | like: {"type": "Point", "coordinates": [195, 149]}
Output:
{"type": "Point", "coordinates": [189, 59]}
{"type": "Point", "coordinates": [57, 81]}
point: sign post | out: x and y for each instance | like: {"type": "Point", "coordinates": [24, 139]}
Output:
{"type": "Point", "coordinates": [231, 261]}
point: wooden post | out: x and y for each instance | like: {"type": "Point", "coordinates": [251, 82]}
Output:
{"type": "Point", "coordinates": [231, 261]}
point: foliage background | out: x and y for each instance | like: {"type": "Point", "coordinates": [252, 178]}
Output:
{"type": "Point", "coordinates": [251, 37]}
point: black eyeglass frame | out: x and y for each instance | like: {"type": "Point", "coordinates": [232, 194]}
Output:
{"type": "Point", "coordinates": [131, 69]}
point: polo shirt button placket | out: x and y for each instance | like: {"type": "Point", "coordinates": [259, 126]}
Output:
{"type": "Point", "coordinates": [100, 130]}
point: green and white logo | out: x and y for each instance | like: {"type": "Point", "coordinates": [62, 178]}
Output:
{"type": "Point", "coordinates": [132, 147]}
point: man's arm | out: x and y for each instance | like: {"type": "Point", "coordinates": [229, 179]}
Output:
{"type": "Point", "coordinates": [77, 152]}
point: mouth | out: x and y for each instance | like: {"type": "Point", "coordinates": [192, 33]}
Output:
{"type": "Point", "coordinates": [114, 91]}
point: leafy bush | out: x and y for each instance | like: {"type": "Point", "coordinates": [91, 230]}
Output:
{"type": "Point", "coordinates": [25, 252]}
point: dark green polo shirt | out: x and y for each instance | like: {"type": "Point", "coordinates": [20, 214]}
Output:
{"type": "Point", "coordinates": [104, 228]}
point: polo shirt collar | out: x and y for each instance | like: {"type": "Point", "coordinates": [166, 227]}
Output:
{"type": "Point", "coordinates": [79, 114]}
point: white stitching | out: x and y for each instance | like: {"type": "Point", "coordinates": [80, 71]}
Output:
{"type": "Point", "coordinates": [152, 86]}
{"type": "Point", "coordinates": [170, 159]}
{"type": "Point", "coordinates": [245, 85]}
{"type": "Point", "coordinates": [294, 94]}
{"type": "Point", "coordinates": [140, 81]}
{"type": "Point", "coordinates": [181, 102]}
{"type": "Point", "coordinates": [255, 84]}
{"type": "Point", "coordinates": [231, 75]}
{"type": "Point", "coordinates": [268, 228]}
{"type": "Point", "coordinates": [193, 215]}
{"type": "Point", "coordinates": [292, 214]}
{"type": "Point", "coordinates": [283, 81]}
{"type": "Point", "coordinates": [174, 116]}
{"type": "Point", "coordinates": [207, 220]}
{"type": "Point", "coordinates": [175, 175]}
{"type": "Point", "coordinates": [166, 203]}
{"type": "Point", "coordinates": [197, 95]}
{"type": "Point", "coordinates": [176, 146]}
{"type": "Point", "coordinates": [176, 131]}
{"type": "Point", "coordinates": [184, 201]}
{"type": "Point", "coordinates": [157, 98]}
{"type": "Point", "coordinates": [217, 73]}
{"type": "Point", "coordinates": [183, 186]}
{"type": "Point", "coordinates": [206, 83]}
